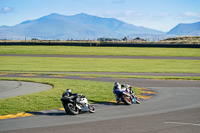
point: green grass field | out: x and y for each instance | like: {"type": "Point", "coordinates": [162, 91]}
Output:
{"type": "Point", "coordinates": [127, 51]}
{"type": "Point", "coordinates": [98, 65]}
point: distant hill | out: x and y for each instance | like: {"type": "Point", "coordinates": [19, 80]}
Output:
{"type": "Point", "coordinates": [80, 26]}
{"type": "Point", "coordinates": [192, 29]}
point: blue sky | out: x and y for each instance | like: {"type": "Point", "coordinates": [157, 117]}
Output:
{"type": "Point", "coordinates": [155, 14]}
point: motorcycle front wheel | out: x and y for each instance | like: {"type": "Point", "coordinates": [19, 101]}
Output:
{"type": "Point", "coordinates": [69, 108]}
{"type": "Point", "coordinates": [137, 101]}
{"type": "Point", "coordinates": [126, 100]}
{"type": "Point", "coordinates": [91, 108]}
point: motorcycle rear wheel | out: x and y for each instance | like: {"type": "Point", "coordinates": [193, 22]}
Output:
{"type": "Point", "coordinates": [69, 108]}
{"type": "Point", "coordinates": [127, 100]}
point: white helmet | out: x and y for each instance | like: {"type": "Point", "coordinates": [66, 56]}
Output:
{"type": "Point", "coordinates": [68, 91]}
{"type": "Point", "coordinates": [116, 84]}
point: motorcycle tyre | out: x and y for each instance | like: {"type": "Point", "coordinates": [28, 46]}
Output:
{"type": "Point", "coordinates": [138, 101]}
{"type": "Point", "coordinates": [91, 108]}
{"type": "Point", "coordinates": [125, 100]}
{"type": "Point", "coordinates": [64, 107]}
{"type": "Point", "coordinates": [69, 110]}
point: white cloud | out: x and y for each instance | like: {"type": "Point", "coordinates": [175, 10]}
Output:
{"type": "Point", "coordinates": [134, 14]}
{"type": "Point", "coordinates": [164, 15]}
{"type": "Point", "coordinates": [118, 1]}
{"type": "Point", "coordinates": [191, 15]}
{"type": "Point", "coordinates": [124, 15]}
{"type": "Point", "coordinates": [6, 9]}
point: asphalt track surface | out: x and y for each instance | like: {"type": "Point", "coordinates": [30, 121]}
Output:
{"type": "Point", "coordinates": [176, 108]}
{"type": "Point", "coordinates": [16, 88]}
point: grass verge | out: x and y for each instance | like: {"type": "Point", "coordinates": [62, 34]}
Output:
{"type": "Point", "coordinates": [76, 50]}
{"type": "Point", "coordinates": [98, 65]}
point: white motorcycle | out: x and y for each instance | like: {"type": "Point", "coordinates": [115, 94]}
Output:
{"type": "Point", "coordinates": [76, 103]}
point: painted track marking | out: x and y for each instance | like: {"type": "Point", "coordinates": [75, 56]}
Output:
{"type": "Point", "coordinates": [180, 123]}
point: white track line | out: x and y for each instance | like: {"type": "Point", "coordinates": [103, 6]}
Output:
{"type": "Point", "coordinates": [180, 123]}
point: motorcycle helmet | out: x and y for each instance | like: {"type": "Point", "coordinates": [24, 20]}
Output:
{"type": "Point", "coordinates": [116, 84]}
{"type": "Point", "coordinates": [68, 91]}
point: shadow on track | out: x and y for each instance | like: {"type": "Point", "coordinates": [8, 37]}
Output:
{"type": "Point", "coordinates": [53, 112]}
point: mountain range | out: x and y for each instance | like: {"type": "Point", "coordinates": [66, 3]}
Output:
{"type": "Point", "coordinates": [84, 26]}
{"type": "Point", "coordinates": [192, 29]}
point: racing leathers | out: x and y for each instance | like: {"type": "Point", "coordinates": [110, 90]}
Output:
{"type": "Point", "coordinates": [117, 89]}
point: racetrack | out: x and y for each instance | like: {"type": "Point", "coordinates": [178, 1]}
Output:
{"type": "Point", "coordinates": [176, 108]}
{"type": "Point", "coordinates": [168, 111]}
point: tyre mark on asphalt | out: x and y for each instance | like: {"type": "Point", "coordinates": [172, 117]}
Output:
{"type": "Point", "coordinates": [2, 88]}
